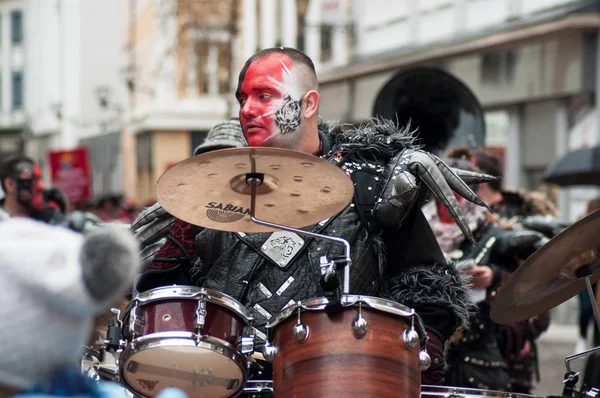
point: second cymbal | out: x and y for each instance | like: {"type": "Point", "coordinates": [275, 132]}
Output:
{"type": "Point", "coordinates": [211, 190]}
{"type": "Point", "coordinates": [553, 274]}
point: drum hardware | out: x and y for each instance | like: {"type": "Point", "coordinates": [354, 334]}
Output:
{"type": "Point", "coordinates": [424, 360]}
{"type": "Point", "coordinates": [246, 345]}
{"type": "Point", "coordinates": [360, 326]}
{"type": "Point", "coordinates": [570, 382]}
{"type": "Point", "coordinates": [330, 281]}
{"type": "Point", "coordinates": [410, 336]}
{"type": "Point", "coordinates": [269, 352]}
{"type": "Point", "coordinates": [200, 320]}
{"type": "Point", "coordinates": [135, 325]}
{"type": "Point", "coordinates": [258, 388]}
{"type": "Point", "coordinates": [114, 336]}
{"type": "Point", "coordinates": [300, 331]}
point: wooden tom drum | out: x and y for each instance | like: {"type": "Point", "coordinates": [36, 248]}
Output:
{"type": "Point", "coordinates": [369, 348]}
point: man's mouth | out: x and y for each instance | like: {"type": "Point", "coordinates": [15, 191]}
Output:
{"type": "Point", "coordinates": [253, 128]}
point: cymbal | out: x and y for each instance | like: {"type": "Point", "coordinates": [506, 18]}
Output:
{"type": "Point", "coordinates": [297, 189]}
{"type": "Point", "coordinates": [551, 275]}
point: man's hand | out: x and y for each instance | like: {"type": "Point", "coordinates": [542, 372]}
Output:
{"type": "Point", "coordinates": [525, 351]}
{"type": "Point", "coordinates": [481, 276]}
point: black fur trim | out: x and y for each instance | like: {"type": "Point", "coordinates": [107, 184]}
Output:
{"type": "Point", "coordinates": [440, 285]}
{"type": "Point", "coordinates": [375, 142]}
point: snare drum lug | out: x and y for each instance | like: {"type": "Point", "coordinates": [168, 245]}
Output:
{"type": "Point", "coordinates": [269, 352]}
{"type": "Point", "coordinates": [411, 339]}
{"type": "Point", "coordinates": [424, 360]}
{"type": "Point", "coordinates": [200, 316]}
{"type": "Point", "coordinates": [136, 322]}
{"type": "Point", "coordinates": [360, 325]}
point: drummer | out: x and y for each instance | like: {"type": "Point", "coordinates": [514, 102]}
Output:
{"type": "Point", "coordinates": [395, 255]}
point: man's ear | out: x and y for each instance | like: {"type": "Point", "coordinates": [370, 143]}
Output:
{"type": "Point", "coordinates": [310, 104]}
{"type": "Point", "coordinates": [10, 185]}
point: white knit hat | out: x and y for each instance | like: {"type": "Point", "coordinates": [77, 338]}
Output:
{"type": "Point", "coordinates": [52, 284]}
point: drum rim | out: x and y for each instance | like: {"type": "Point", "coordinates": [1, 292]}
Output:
{"type": "Point", "coordinates": [349, 300]}
{"type": "Point", "coordinates": [439, 390]}
{"type": "Point", "coordinates": [263, 386]}
{"type": "Point", "coordinates": [192, 292]}
{"type": "Point", "coordinates": [130, 349]}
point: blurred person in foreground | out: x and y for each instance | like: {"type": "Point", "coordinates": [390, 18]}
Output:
{"type": "Point", "coordinates": [518, 210]}
{"type": "Point", "coordinates": [53, 282]}
{"type": "Point", "coordinates": [21, 181]}
{"type": "Point", "coordinates": [474, 357]}
{"type": "Point", "coordinates": [395, 253]}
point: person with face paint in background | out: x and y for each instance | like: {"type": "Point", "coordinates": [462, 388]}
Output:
{"type": "Point", "coordinates": [21, 181]}
{"type": "Point", "coordinates": [395, 254]}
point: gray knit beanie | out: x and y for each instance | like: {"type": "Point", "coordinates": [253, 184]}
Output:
{"type": "Point", "coordinates": [226, 134]}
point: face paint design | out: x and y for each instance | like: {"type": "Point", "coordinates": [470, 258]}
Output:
{"type": "Point", "coordinates": [287, 118]}
{"type": "Point", "coordinates": [270, 96]}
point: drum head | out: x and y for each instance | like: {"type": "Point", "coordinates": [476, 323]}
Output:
{"type": "Point", "coordinates": [198, 372]}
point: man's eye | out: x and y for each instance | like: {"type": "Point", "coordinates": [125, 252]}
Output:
{"type": "Point", "coordinates": [265, 97]}
{"type": "Point", "coordinates": [242, 101]}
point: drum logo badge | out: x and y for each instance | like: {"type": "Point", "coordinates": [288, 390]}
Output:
{"type": "Point", "coordinates": [225, 213]}
{"type": "Point", "coordinates": [282, 246]}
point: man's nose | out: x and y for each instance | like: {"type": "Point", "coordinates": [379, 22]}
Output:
{"type": "Point", "coordinates": [247, 111]}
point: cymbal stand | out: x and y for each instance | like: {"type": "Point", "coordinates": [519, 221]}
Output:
{"type": "Point", "coordinates": [571, 377]}
{"type": "Point", "coordinates": [254, 180]}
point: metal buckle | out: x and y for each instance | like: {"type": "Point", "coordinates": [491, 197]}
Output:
{"type": "Point", "coordinates": [282, 246]}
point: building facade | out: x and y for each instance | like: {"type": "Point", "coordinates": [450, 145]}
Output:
{"type": "Point", "coordinates": [74, 88]}
{"type": "Point", "coordinates": [531, 65]}
{"type": "Point", "coordinates": [12, 76]}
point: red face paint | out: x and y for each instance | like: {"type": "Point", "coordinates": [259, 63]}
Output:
{"type": "Point", "coordinates": [444, 214]}
{"type": "Point", "coordinates": [260, 94]}
{"type": "Point", "coordinates": [37, 198]}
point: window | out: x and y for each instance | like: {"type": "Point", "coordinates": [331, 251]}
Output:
{"type": "Point", "coordinates": [17, 90]}
{"type": "Point", "coordinates": [327, 42]}
{"type": "Point", "coordinates": [16, 26]}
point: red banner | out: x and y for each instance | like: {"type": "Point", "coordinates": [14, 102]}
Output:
{"type": "Point", "coordinates": [70, 172]}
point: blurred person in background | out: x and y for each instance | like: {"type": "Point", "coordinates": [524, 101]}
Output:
{"type": "Point", "coordinates": [475, 358]}
{"type": "Point", "coordinates": [21, 181]}
{"type": "Point", "coordinates": [108, 208]}
{"type": "Point", "coordinates": [57, 212]}
{"type": "Point", "coordinates": [517, 210]}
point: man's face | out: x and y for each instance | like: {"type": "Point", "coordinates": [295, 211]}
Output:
{"type": "Point", "coordinates": [270, 96]}
{"type": "Point", "coordinates": [29, 186]}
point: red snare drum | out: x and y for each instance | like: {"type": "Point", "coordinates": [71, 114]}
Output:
{"type": "Point", "coordinates": [370, 348]}
{"type": "Point", "coordinates": [185, 337]}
